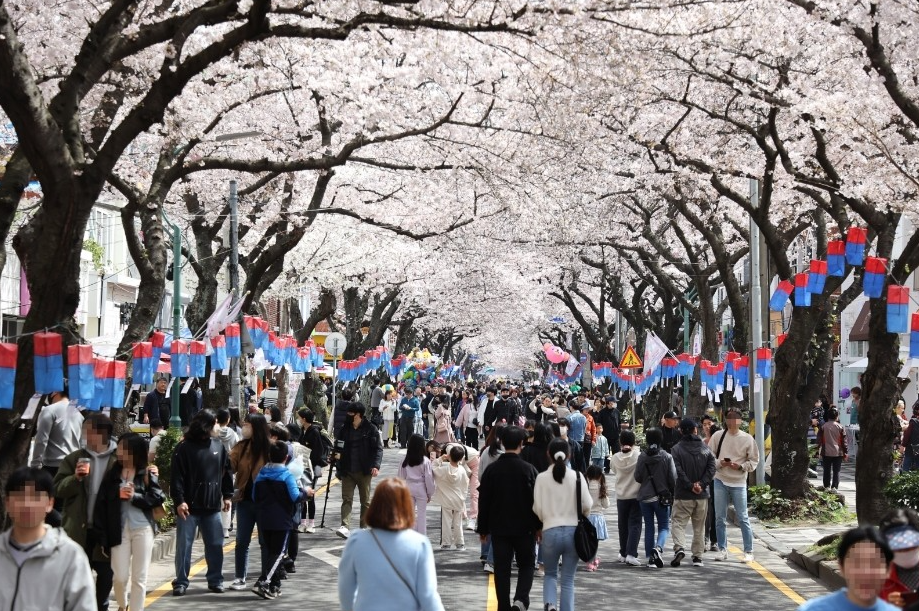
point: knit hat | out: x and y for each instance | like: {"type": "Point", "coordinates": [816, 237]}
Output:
{"type": "Point", "coordinates": [902, 537]}
{"type": "Point", "coordinates": [687, 426]}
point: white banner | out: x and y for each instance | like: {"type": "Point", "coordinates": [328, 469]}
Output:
{"type": "Point", "coordinates": [655, 351]}
{"type": "Point", "coordinates": [572, 365]}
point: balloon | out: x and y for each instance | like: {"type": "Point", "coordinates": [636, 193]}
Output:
{"type": "Point", "coordinates": [555, 354]}
{"type": "Point", "coordinates": [845, 393]}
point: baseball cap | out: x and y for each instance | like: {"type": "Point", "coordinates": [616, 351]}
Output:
{"type": "Point", "coordinates": [687, 426]}
{"type": "Point", "coordinates": [356, 408]}
{"type": "Point", "coordinates": [671, 414]}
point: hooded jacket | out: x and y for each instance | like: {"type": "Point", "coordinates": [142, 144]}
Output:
{"type": "Point", "coordinates": [622, 465]}
{"type": "Point", "coordinates": [56, 576]}
{"type": "Point", "coordinates": [201, 476]}
{"type": "Point", "coordinates": [654, 469]}
{"type": "Point", "coordinates": [80, 495]}
{"type": "Point", "coordinates": [276, 494]}
{"type": "Point", "coordinates": [452, 485]}
{"type": "Point", "coordinates": [694, 463]}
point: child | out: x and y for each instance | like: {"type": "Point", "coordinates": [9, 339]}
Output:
{"type": "Point", "coordinates": [276, 496]}
{"type": "Point", "coordinates": [596, 483]}
{"type": "Point", "coordinates": [452, 483]}
{"type": "Point", "coordinates": [31, 552]}
{"type": "Point", "coordinates": [599, 453]}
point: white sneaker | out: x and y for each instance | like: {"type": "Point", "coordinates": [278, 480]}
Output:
{"type": "Point", "coordinates": [470, 524]}
{"type": "Point", "coordinates": [226, 533]}
{"type": "Point", "coordinates": [632, 561]}
{"type": "Point", "coordinates": [489, 568]}
{"type": "Point", "coordinates": [621, 559]}
{"type": "Point", "coordinates": [343, 532]}
{"type": "Point", "coordinates": [461, 548]}
{"type": "Point", "coordinates": [748, 557]}
{"type": "Point", "coordinates": [238, 584]}
{"type": "Point", "coordinates": [721, 555]}
{"type": "Point", "coordinates": [309, 529]}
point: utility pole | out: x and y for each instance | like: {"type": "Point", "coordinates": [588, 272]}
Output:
{"type": "Point", "coordinates": [175, 421]}
{"type": "Point", "coordinates": [756, 334]}
{"type": "Point", "coordinates": [234, 287]}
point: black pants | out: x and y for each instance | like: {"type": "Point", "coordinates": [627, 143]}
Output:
{"type": "Point", "coordinates": [710, 518]}
{"type": "Point", "coordinates": [831, 465]}
{"type": "Point", "coordinates": [471, 435]}
{"type": "Point", "coordinates": [275, 542]}
{"type": "Point", "coordinates": [104, 577]}
{"type": "Point", "coordinates": [406, 428]}
{"type": "Point", "coordinates": [524, 547]}
{"type": "Point", "coordinates": [586, 448]}
{"type": "Point", "coordinates": [293, 547]}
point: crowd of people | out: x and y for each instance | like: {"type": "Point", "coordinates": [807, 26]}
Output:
{"type": "Point", "coordinates": [519, 467]}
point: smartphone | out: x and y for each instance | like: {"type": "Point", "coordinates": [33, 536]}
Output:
{"type": "Point", "coordinates": [726, 459]}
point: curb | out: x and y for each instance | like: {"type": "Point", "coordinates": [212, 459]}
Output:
{"type": "Point", "coordinates": [164, 545]}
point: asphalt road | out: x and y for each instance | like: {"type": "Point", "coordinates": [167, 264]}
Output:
{"type": "Point", "coordinates": [767, 584]}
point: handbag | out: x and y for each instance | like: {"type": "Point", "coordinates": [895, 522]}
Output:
{"type": "Point", "coordinates": [159, 512]}
{"type": "Point", "coordinates": [665, 498]}
{"type": "Point", "coordinates": [585, 533]}
{"type": "Point", "coordinates": [398, 574]}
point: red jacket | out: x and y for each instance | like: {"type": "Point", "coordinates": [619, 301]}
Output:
{"type": "Point", "coordinates": [893, 583]}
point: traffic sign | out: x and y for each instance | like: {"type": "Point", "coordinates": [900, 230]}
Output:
{"type": "Point", "coordinates": [335, 344]}
{"type": "Point", "coordinates": [630, 359]}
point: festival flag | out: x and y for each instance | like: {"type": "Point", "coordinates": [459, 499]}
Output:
{"type": "Point", "coordinates": [113, 395]}
{"type": "Point", "coordinates": [234, 347]}
{"type": "Point", "coordinates": [913, 337]}
{"type": "Point", "coordinates": [836, 258]}
{"type": "Point", "coordinates": [855, 245]}
{"type": "Point", "coordinates": [875, 274]}
{"type": "Point", "coordinates": [158, 340]}
{"type": "Point", "coordinates": [48, 363]}
{"type": "Point", "coordinates": [897, 309]}
{"type": "Point", "coordinates": [764, 363]}
{"type": "Point", "coordinates": [8, 355]}
{"type": "Point", "coordinates": [780, 296]}
{"type": "Point", "coordinates": [81, 377]}
{"type": "Point", "coordinates": [802, 297]}
{"type": "Point", "coordinates": [179, 358]}
{"type": "Point", "coordinates": [816, 279]}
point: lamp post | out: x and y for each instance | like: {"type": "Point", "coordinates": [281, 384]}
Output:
{"type": "Point", "coordinates": [756, 335]}
{"type": "Point", "coordinates": [174, 420]}
{"type": "Point", "coordinates": [234, 287]}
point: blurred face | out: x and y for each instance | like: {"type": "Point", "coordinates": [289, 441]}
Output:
{"type": "Point", "coordinates": [124, 456]}
{"type": "Point", "coordinates": [733, 420]}
{"type": "Point", "coordinates": [672, 422]}
{"type": "Point", "coordinates": [28, 507]}
{"type": "Point", "coordinates": [95, 440]}
{"type": "Point", "coordinates": [161, 385]}
{"type": "Point", "coordinates": [865, 571]}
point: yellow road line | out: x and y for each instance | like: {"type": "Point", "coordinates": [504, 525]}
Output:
{"type": "Point", "coordinates": [166, 587]}
{"type": "Point", "coordinates": [769, 576]}
{"type": "Point", "coordinates": [492, 604]}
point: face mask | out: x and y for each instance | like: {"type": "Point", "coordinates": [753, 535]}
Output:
{"type": "Point", "coordinates": [906, 559]}
{"type": "Point", "coordinates": [247, 432]}
{"type": "Point", "coordinates": [563, 430]}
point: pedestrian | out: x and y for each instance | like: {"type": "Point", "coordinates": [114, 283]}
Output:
{"type": "Point", "coordinates": [577, 429]}
{"type": "Point", "coordinates": [388, 566]}
{"type": "Point", "coordinates": [471, 460]}
{"type": "Point", "coordinates": [507, 514]}
{"type": "Point", "coordinates": [490, 453]}
{"type": "Point", "coordinates": [229, 439]}
{"type": "Point", "coordinates": [909, 446]}
{"type": "Point", "coordinates": [695, 471]}
{"type": "Point", "coordinates": [57, 434]}
{"type": "Point", "coordinates": [656, 473]}
{"type": "Point", "coordinates": [246, 460]}
{"type": "Point", "coordinates": [201, 488]}
{"type": "Point", "coordinates": [319, 445]}
{"type": "Point", "coordinates": [467, 421]}
{"type": "Point", "coordinates": [417, 471]}
{"type": "Point", "coordinates": [276, 495]}
{"type": "Point", "coordinates": [900, 528]}
{"type": "Point", "coordinates": [443, 427]}
{"type": "Point", "coordinates": [537, 451]}
{"type": "Point", "coordinates": [599, 452]}
{"type": "Point", "coordinates": [596, 483]}
{"type": "Point", "coordinates": [710, 427]}
{"type": "Point", "coordinates": [156, 404]}
{"type": "Point", "coordinates": [555, 504]}
{"type": "Point", "coordinates": [451, 477]}
{"type": "Point", "coordinates": [157, 432]}
{"type": "Point", "coordinates": [609, 417]}
{"type": "Point", "coordinates": [388, 408]}
{"type": "Point", "coordinates": [269, 397]}
{"type": "Point", "coordinates": [671, 430]}
{"type": "Point", "coordinates": [123, 519]}
{"type": "Point", "coordinates": [409, 412]}
{"type": "Point", "coordinates": [735, 456]}
{"type": "Point", "coordinates": [40, 566]}
{"type": "Point", "coordinates": [831, 443]}
{"type": "Point", "coordinates": [864, 558]}
{"type": "Point", "coordinates": [77, 482]}
{"type": "Point", "coordinates": [590, 434]}
{"type": "Point", "coordinates": [358, 464]}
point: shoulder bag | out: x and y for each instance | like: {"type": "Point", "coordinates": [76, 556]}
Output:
{"type": "Point", "coordinates": [159, 512]}
{"type": "Point", "coordinates": [398, 574]}
{"type": "Point", "coordinates": [585, 533]}
{"type": "Point", "coordinates": [665, 498]}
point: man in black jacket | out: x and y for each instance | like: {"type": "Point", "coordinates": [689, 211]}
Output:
{"type": "Point", "coordinates": [695, 470]}
{"type": "Point", "coordinates": [506, 513]}
{"type": "Point", "coordinates": [358, 463]}
{"type": "Point", "coordinates": [671, 431]}
{"type": "Point", "coordinates": [610, 419]}
{"type": "Point", "coordinates": [156, 405]}
{"type": "Point", "coordinates": [201, 487]}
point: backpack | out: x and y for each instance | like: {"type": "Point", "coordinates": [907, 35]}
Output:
{"type": "Point", "coordinates": [327, 444]}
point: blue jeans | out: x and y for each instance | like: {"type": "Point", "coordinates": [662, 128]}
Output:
{"type": "Point", "coordinates": [487, 551]}
{"type": "Point", "coordinates": [597, 462]}
{"type": "Point", "coordinates": [212, 533]}
{"type": "Point", "coordinates": [650, 511]}
{"type": "Point", "coordinates": [245, 524]}
{"type": "Point", "coordinates": [558, 543]}
{"type": "Point", "coordinates": [737, 496]}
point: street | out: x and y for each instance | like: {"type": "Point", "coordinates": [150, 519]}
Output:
{"type": "Point", "coordinates": [771, 582]}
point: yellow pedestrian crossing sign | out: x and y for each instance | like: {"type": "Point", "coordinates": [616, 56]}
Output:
{"type": "Point", "coordinates": [630, 359]}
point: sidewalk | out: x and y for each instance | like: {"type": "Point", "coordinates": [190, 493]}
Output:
{"type": "Point", "coordinates": [792, 542]}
